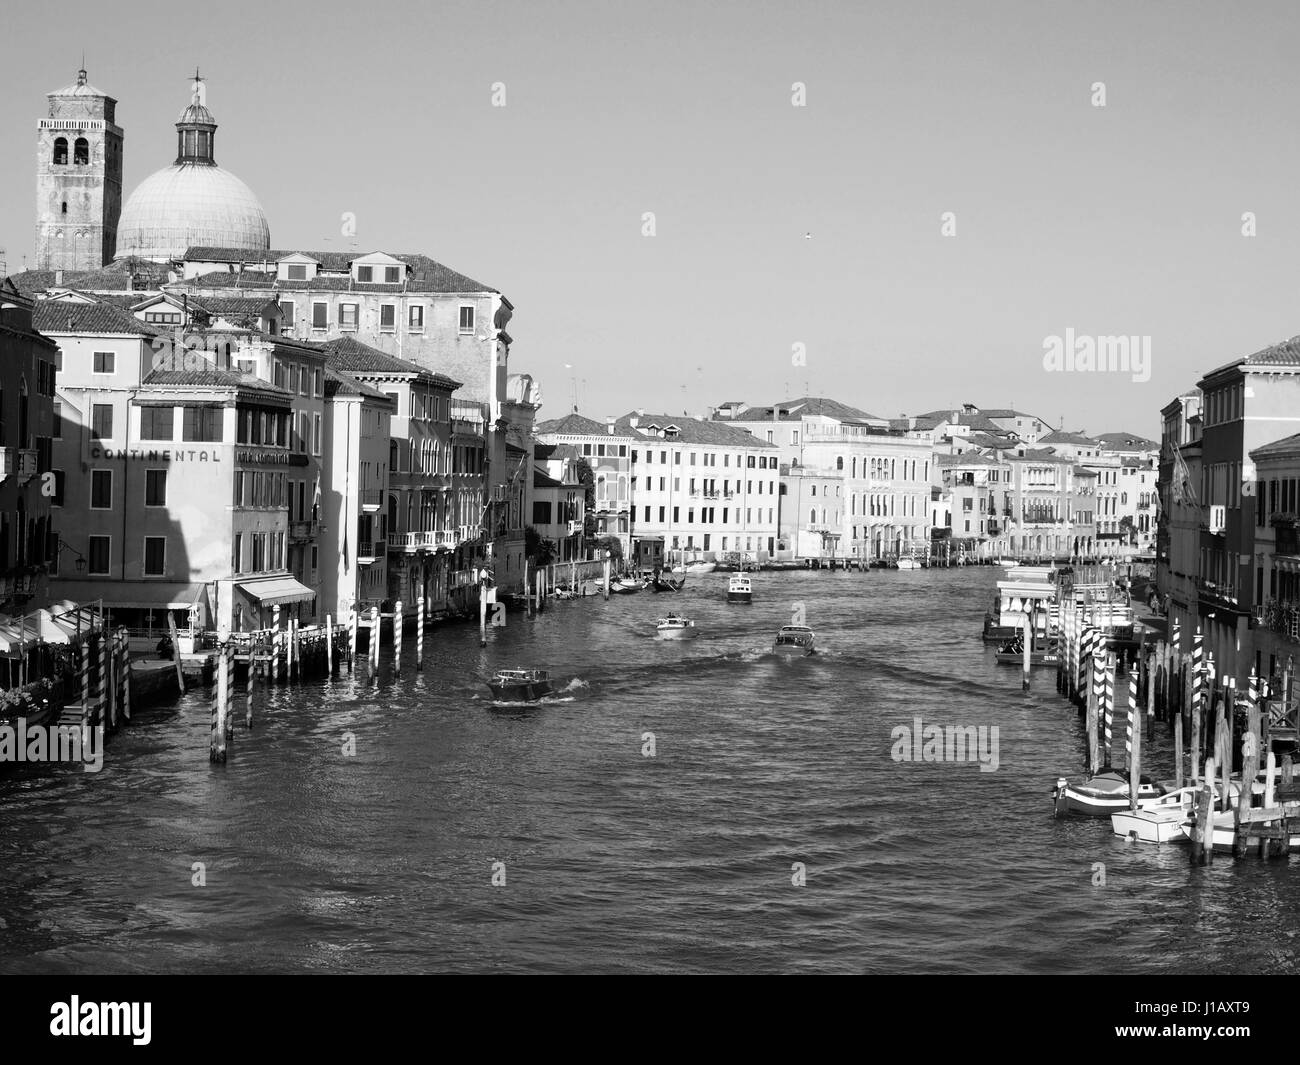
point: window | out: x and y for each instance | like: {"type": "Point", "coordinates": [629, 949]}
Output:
{"type": "Point", "coordinates": [60, 151]}
{"type": "Point", "coordinates": [155, 488]}
{"type": "Point", "coordinates": [304, 380]}
{"type": "Point", "coordinates": [101, 489]}
{"type": "Point", "coordinates": [316, 389]}
{"type": "Point", "coordinates": [97, 553]}
{"type": "Point", "coordinates": [392, 275]}
{"type": "Point", "coordinates": [60, 480]}
{"type": "Point", "coordinates": [297, 272]}
{"type": "Point", "coordinates": [103, 362]}
{"type": "Point", "coordinates": [101, 421]}
{"type": "Point", "coordinates": [202, 424]}
{"type": "Point", "coordinates": [365, 273]}
{"type": "Point", "coordinates": [155, 556]}
{"type": "Point", "coordinates": [467, 319]}
{"type": "Point", "coordinates": [237, 553]}
{"type": "Point", "coordinates": [156, 423]}
{"type": "Point", "coordinates": [287, 309]}
{"type": "Point", "coordinates": [320, 315]}
{"type": "Point", "coordinates": [387, 317]}
{"type": "Point", "coordinates": [348, 315]}
{"type": "Point", "coordinates": [81, 152]}
{"type": "Point", "coordinates": [415, 318]}
{"type": "Point", "coordinates": [315, 434]}
{"type": "Point", "coordinates": [58, 421]}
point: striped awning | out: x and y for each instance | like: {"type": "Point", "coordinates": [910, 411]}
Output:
{"type": "Point", "coordinates": [270, 591]}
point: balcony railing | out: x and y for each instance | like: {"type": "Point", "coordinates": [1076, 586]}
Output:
{"type": "Point", "coordinates": [370, 550]}
{"type": "Point", "coordinates": [371, 498]}
{"type": "Point", "coordinates": [426, 540]}
{"type": "Point", "coordinates": [303, 530]}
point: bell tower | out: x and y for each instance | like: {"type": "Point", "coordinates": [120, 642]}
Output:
{"type": "Point", "coordinates": [78, 179]}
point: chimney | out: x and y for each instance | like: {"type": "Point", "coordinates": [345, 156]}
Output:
{"type": "Point", "coordinates": [609, 425]}
{"type": "Point", "coordinates": [58, 277]}
{"type": "Point", "coordinates": [634, 421]}
{"type": "Point", "coordinates": [776, 413]}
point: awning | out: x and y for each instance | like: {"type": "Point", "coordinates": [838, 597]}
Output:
{"type": "Point", "coordinates": [143, 595]}
{"type": "Point", "coordinates": [272, 590]}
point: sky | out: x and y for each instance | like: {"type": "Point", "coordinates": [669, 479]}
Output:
{"type": "Point", "coordinates": [774, 225]}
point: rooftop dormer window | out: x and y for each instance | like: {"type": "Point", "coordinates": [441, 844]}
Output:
{"type": "Point", "coordinates": [366, 274]}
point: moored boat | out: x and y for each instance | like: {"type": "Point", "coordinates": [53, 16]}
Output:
{"type": "Point", "coordinates": [1102, 794]}
{"type": "Point", "coordinates": [739, 589]}
{"type": "Point", "coordinates": [520, 685]}
{"type": "Point", "coordinates": [1043, 653]}
{"type": "Point", "coordinates": [908, 563]}
{"type": "Point", "coordinates": [794, 640]}
{"type": "Point", "coordinates": [676, 627]}
{"type": "Point", "coordinates": [625, 585]}
{"type": "Point", "coordinates": [1159, 822]}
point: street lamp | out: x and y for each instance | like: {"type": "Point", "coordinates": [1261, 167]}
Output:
{"type": "Point", "coordinates": [81, 559]}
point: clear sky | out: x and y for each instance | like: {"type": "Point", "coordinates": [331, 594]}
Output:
{"type": "Point", "coordinates": [1122, 219]}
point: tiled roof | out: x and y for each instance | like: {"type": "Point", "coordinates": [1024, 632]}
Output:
{"type": "Point", "coordinates": [1287, 445]}
{"type": "Point", "coordinates": [429, 274]}
{"type": "Point", "coordinates": [1038, 455]}
{"type": "Point", "coordinates": [967, 458]}
{"type": "Point", "coordinates": [1058, 436]}
{"type": "Point", "coordinates": [693, 431]}
{"type": "Point", "coordinates": [352, 356]}
{"type": "Point", "coordinates": [58, 316]}
{"type": "Point", "coordinates": [576, 425]}
{"type": "Point", "coordinates": [228, 306]}
{"type": "Point", "coordinates": [1083, 471]}
{"type": "Point", "coordinates": [542, 480]}
{"type": "Point", "coordinates": [1127, 442]}
{"type": "Point", "coordinates": [1283, 353]}
{"type": "Point", "coordinates": [794, 409]}
{"type": "Point", "coordinates": [211, 378]}
{"type": "Point", "coordinates": [339, 383]}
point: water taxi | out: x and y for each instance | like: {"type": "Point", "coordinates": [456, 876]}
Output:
{"type": "Point", "coordinates": [794, 640]}
{"type": "Point", "coordinates": [520, 685]}
{"type": "Point", "coordinates": [739, 589]}
{"type": "Point", "coordinates": [1043, 652]}
{"type": "Point", "coordinates": [676, 627]}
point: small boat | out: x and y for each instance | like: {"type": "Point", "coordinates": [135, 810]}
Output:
{"type": "Point", "coordinates": [908, 563]}
{"type": "Point", "coordinates": [1160, 822]}
{"type": "Point", "coordinates": [1009, 563]}
{"type": "Point", "coordinates": [1105, 793]}
{"type": "Point", "coordinates": [1223, 831]}
{"type": "Point", "coordinates": [739, 589]}
{"type": "Point", "coordinates": [696, 567]}
{"type": "Point", "coordinates": [676, 627]}
{"type": "Point", "coordinates": [1042, 653]}
{"type": "Point", "coordinates": [625, 585]}
{"type": "Point", "coordinates": [794, 640]}
{"type": "Point", "coordinates": [564, 593]}
{"type": "Point", "coordinates": [664, 582]}
{"type": "Point", "coordinates": [520, 685]}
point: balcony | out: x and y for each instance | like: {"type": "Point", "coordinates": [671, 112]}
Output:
{"type": "Point", "coordinates": [372, 499]}
{"type": "Point", "coordinates": [302, 531]}
{"type": "Point", "coordinates": [18, 462]}
{"type": "Point", "coordinates": [427, 540]}
{"type": "Point", "coordinates": [1217, 594]}
{"type": "Point", "coordinates": [370, 551]}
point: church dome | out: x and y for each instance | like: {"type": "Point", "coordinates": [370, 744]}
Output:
{"type": "Point", "coordinates": [188, 205]}
{"type": "Point", "coordinates": [193, 202]}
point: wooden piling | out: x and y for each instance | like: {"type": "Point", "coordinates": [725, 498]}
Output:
{"type": "Point", "coordinates": [291, 652]}
{"type": "Point", "coordinates": [352, 637]}
{"type": "Point", "coordinates": [1109, 705]}
{"type": "Point", "coordinates": [1133, 743]}
{"type": "Point", "coordinates": [397, 638]}
{"type": "Point", "coordinates": [482, 615]}
{"type": "Point", "coordinates": [1202, 852]}
{"type": "Point", "coordinates": [1027, 626]}
{"type": "Point", "coordinates": [419, 634]}
{"type": "Point", "coordinates": [253, 666]}
{"type": "Point", "coordinates": [228, 664]}
{"type": "Point", "coordinates": [176, 651]}
{"type": "Point", "coordinates": [1249, 769]}
{"type": "Point", "coordinates": [124, 640]}
{"type": "Point", "coordinates": [329, 645]}
{"type": "Point", "coordinates": [607, 578]}
{"type": "Point", "coordinates": [374, 641]}
{"type": "Point", "coordinates": [1178, 750]}
{"type": "Point", "coordinates": [217, 744]}
{"type": "Point", "coordinates": [1094, 695]}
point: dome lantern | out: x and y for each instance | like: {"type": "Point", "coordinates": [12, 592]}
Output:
{"type": "Point", "coordinates": [197, 129]}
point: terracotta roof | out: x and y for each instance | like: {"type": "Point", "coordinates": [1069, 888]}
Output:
{"type": "Point", "coordinates": [968, 458]}
{"type": "Point", "coordinates": [1058, 436]}
{"type": "Point", "coordinates": [1287, 445]}
{"type": "Point", "coordinates": [211, 378]}
{"type": "Point", "coordinates": [576, 425]}
{"type": "Point", "coordinates": [431, 275]}
{"type": "Point", "coordinates": [692, 431]}
{"type": "Point", "coordinates": [353, 357]}
{"type": "Point", "coordinates": [1127, 442]}
{"type": "Point", "coordinates": [339, 383]}
{"type": "Point", "coordinates": [794, 409]}
{"type": "Point", "coordinates": [58, 316]}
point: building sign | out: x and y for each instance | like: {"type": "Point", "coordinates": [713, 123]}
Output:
{"type": "Point", "coordinates": [277, 458]}
{"type": "Point", "coordinates": [155, 455]}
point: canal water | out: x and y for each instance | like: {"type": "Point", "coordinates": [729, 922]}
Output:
{"type": "Point", "coordinates": [607, 858]}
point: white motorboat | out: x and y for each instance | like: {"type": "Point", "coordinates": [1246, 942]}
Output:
{"type": "Point", "coordinates": [1224, 831]}
{"type": "Point", "coordinates": [1009, 563]}
{"type": "Point", "coordinates": [676, 627]}
{"type": "Point", "coordinates": [1161, 821]}
{"type": "Point", "coordinates": [1105, 793]}
{"type": "Point", "coordinates": [739, 590]}
{"type": "Point", "coordinates": [794, 640]}
{"type": "Point", "coordinates": [908, 563]}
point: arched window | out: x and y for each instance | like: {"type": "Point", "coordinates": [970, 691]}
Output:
{"type": "Point", "coordinates": [60, 151]}
{"type": "Point", "coordinates": [855, 467]}
{"type": "Point", "coordinates": [81, 151]}
{"type": "Point", "coordinates": [814, 489]}
{"type": "Point", "coordinates": [812, 516]}
{"type": "Point", "coordinates": [839, 462]}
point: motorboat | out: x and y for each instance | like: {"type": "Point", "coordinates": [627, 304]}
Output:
{"type": "Point", "coordinates": [564, 593]}
{"type": "Point", "coordinates": [1102, 794]}
{"type": "Point", "coordinates": [1043, 652]}
{"type": "Point", "coordinates": [676, 627]}
{"type": "Point", "coordinates": [739, 589]}
{"type": "Point", "coordinates": [625, 585]}
{"type": "Point", "coordinates": [1159, 822]}
{"type": "Point", "coordinates": [1026, 586]}
{"type": "Point", "coordinates": [794, 640]}
{"type": "Point", "coordinates": [696, 567]}
{"type": "Point", "coordinates": [520, 685]}
{"type": "Point", "coordinates": [1009, 563]}
{"type": "Point", "coordinates": [1223, 830]}
{"type": "Point", "coordinates": [908, 563]}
